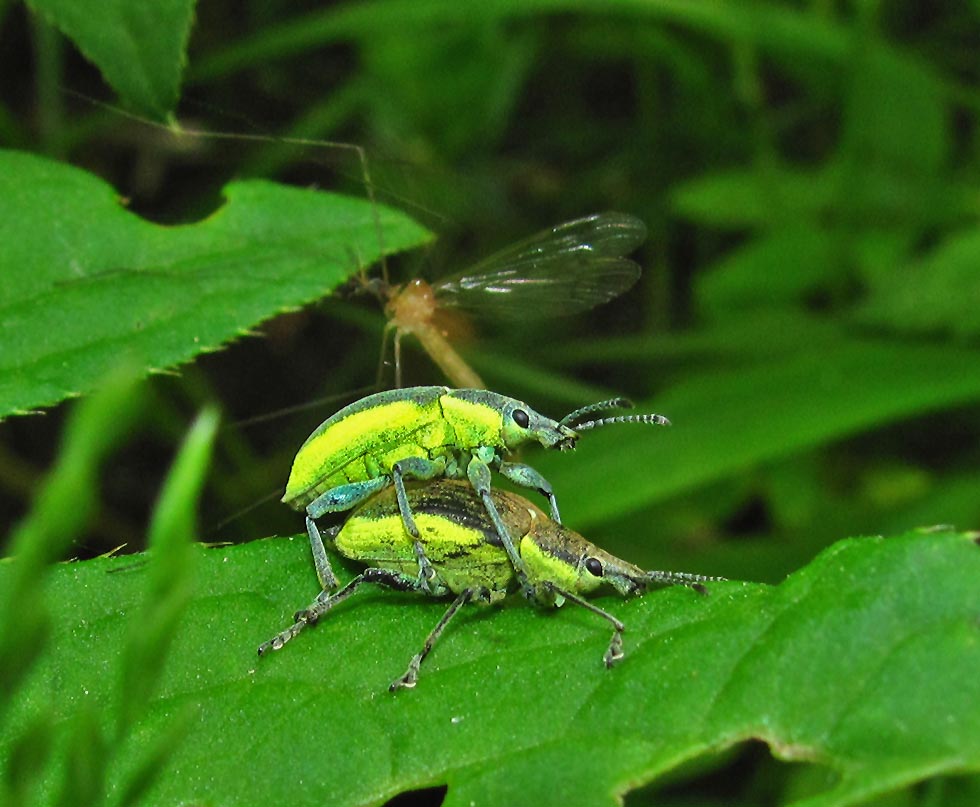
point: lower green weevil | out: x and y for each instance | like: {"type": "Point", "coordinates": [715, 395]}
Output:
{"type": "Point", "coordinates": [469, 561]}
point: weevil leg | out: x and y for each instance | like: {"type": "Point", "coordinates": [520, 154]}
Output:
{"type": "Point", "coordinates": [410, 678]}
{"type": "Point", "coordinates": [325, 601]}
{"type": "Point", "coordinates": [478, 473]}
{"type": "Point", "coordinates": [335, 500]}
{"type": "Point", "coordinates": [614, 652]}
{"type": "Point", "coordinates": [324, 572]}
{"type": "Point", "coordinates": [345, 497]}
{"type": "Point", "coordinates": [398, 359]}
{"type": "Point", "coordinates": [416, 468]}
{"type": "Point", "coordinates": [379, 378]}
{"type": "Point", "coordinates": [527, 477]}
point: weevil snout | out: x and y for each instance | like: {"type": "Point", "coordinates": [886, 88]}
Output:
{"type": "Point", "coordinates": [567, 440]}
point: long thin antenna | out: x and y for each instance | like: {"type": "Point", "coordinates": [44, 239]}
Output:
{"type": "Point", "coordinates": [654, 420]}
{"type": "Point", "coordinates": [591, 409]}
{"type": "Point", "coordinates": [682, 578]}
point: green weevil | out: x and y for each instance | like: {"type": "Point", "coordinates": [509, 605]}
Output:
{"type": "Point", "coordinates": [469, 561]}
{"type": "Point", "coordinates": [426, 433]}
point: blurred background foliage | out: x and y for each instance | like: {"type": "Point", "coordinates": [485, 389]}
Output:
{"type": "Point", "coordinates": [808, 174]}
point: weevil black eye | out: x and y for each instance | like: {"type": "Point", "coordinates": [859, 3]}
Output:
{"type": "Point", "coordinates": [594, 566]}
{"type": "Point", "coordinates": [521, 418]}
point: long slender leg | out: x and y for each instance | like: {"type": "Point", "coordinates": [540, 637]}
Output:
{"type": "Point", "coordinates": [410, 678]}
{"type": "Point", "coordinates": [526, 476]}
{"type": "Point", "coordinates": [398, 358]}
{"type": "Point", "coordinates": [614, 652]}
{"type": "Point", "coordinates": [380, 375]}
{"type": "Point", "coordinates": [417, 468]}
{"type": "Point", "coordinates": [326, 600]}
{"type": "Point", "coordinates": [324, 572]}
{"type": "Point", "coordinates": [479, 475]}
{"type": "Point", "coordinates": [335, 500]}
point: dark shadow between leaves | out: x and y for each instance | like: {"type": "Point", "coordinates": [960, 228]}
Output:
{"type": "Point", "coordinates": [423, 797]}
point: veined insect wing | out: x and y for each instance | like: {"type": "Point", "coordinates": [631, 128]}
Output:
{"type": "Point", "coordinates": [564, 270]}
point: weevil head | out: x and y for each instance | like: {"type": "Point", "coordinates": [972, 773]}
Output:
{"type": "Point", "coordinates": [513, 421]}
{"type": "Point", "coordinates": [560, 556]}
{"type": "Point", "coordinates": [521, 424]}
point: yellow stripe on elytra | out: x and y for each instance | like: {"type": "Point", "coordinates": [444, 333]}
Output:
{"type": "Point", "coordinates": [475, 424]}
{"type": "Point", "coordinates": [543, 566]}
{"type": "Point", "coordinates": [462, 556]}
{"type": "Point", "coordinates": [349, 439]}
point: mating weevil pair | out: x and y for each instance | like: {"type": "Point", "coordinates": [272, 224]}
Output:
{"type": "Point", "coordinates": [430, 433]}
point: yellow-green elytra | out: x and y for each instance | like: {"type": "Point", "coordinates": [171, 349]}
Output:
{"type": "Point", "coordinates": [469, 561]}
{"type": "Point", "coordinates": [428, 433]}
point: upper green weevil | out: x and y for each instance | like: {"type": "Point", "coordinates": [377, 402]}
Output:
{"type": "Point", "coordinates": [426, 433]}
{"type": "Point", "coordinates": [468, 560]}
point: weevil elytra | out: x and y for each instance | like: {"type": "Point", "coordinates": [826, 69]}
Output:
{"type": "Point", "coordinates": [563, 270]}
{"type": "Point", "coordinates": [469, 561]}
{"type": "Point", "coordinates": [427, 433]}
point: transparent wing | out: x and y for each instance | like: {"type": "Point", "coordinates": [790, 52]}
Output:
{"type": "Point", "coordinates": [569, 268]}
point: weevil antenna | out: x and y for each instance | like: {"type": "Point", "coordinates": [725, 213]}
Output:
{"type": "Point", "coordinates": [682, 579]}
{"type": "Point", "coordinates": [655, 420]}
{"type": "Point", "coordinates": [591, 409]}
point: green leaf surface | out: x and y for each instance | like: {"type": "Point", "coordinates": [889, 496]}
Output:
{"type": "Point", "coordinates": [728, 421]}
{"type": "Point", "coordinates": [63, 505]}
{"type": "Point", "coordinates": [140, 47]}
{"type": "Point", "coordinates": [865, 660]}
{"type": "Point", "coordinates": [798, 36]}
{"type": "Point", "coordinates": [87, 282]}
{"type": "Point", "coordinates": [771, 270]}
{"type": "Point", "coordinates": [920, 297]}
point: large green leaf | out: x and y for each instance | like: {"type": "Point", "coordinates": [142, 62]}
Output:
{"type": "Point", "coordinates": [937, 294]}
{"type": "Point", "coordinates": [139, 47]}
{"type": "Point", "coordinates": [865, 660]}
{"type": "Point", "coordinates": [726, 421]}
{"type": "Point", "coordinates": [86, 281]}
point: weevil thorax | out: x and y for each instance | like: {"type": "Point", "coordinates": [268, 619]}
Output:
{"type": "Point", "coordinates": [502, 422]}
{"type": "Point", "coordinates": [555, 554]}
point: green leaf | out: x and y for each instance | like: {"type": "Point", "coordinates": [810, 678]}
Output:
{"type": "Point", "coordinates": [170, 578]}
{"type": "Point", "coordinates": [865, 660]}
{"type": "Point", "coordinates": [139, 47]}
{"type": "Point", "coordinates": [726, 421]}
{"type": "Point", "coordinates": [937, 294]}
{"type": "Point", "coordinates": [750, 198]}
{"type": "Point", "coordinates": [795, 35]}
{"type": "Point", "coordinates": [86, 280]}
{"type": "Point", "coordinates": [60, 511]}
{"type": "Point", "coordinates": [776, 268]}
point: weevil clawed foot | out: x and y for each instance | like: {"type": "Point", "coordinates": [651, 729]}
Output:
{"type": "Point", "coordinates": [411, 676]}
{"type": "Point", "coordinates": [301, 619]}
{"type": "Point", "coordinates": [614, 653]}
{"type": "Point", "coordinates": [277, 641]}
{"type": "Point", "coordinates": [427, 574]}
